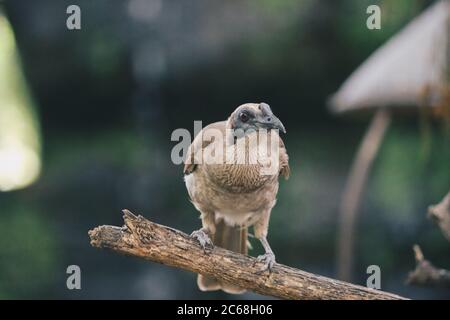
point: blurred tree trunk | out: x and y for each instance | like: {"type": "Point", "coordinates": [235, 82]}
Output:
{"type": "Point", "coordinates": [354, 190]}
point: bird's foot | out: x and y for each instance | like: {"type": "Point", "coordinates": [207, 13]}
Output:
{"type": "Point", "coordinates": [268, 259]}
{"type": "Point", "coordinates": [203, 238]}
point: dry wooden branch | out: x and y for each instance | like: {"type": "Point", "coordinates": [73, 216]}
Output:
{"type": "Point", "coordinates": [148, 240]}
{"type": "Point", "coordinates": [440, 213]}
{"type": "Point", "coordinates": [426, 274]}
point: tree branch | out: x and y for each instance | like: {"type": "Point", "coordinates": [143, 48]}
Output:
{"type": "Point", "coordinates": [440, 213]}
{"type": "Point", "coordinates": [145, 239]}
{"type": "Point", "coordinates": [426, 274]}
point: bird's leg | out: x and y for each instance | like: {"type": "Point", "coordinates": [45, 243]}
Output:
{"type": "Point", "coordinates": [201, 235]}
{"type": "Point", "coordinates": [261, 227]}
{"type": "Point", "coordinates": [204, 234]}
{"type": "Point", "coordinates": [267, 258]}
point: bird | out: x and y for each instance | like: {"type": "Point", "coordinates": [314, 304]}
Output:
{"type": "Point", "coordinates": [235, 194]}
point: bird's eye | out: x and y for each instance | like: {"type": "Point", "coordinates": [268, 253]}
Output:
{"type": "Point", "coordinates": [243, 117]}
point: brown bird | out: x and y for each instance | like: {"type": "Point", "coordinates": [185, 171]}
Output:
{"type": "Point", "coordinates": [235, 194]}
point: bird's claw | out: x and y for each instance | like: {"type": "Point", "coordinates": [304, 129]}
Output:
{"type": "Point", "coordinates": [268, 259]}
{"type": "Point", "coordinates": [203, 238]}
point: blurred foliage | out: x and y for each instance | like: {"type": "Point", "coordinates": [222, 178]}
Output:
{"type": "Point", "coordinates": [395, 14]}
{"type": "Point", "coordinates": [402, 171]}
{"type": "Point", "coordinates": [29, 253]}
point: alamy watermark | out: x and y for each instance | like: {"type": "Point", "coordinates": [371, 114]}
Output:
{"type": "Point", "coordinates": [73, 21]}
{"type": "Point", "coordinates": [73, 281]}
{"type": "Point", "coordinates": [374, 280]}
{"type": "Point", "coordinates": [373, 22]}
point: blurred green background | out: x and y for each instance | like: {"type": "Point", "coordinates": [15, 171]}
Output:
{"type": "Point", "coordinates": [102, 102]}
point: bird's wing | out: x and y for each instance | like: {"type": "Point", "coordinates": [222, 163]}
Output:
{"type": "Point", "coordinates": [285, 170]}
{"type": "Point", "coordinates": [199, 144]}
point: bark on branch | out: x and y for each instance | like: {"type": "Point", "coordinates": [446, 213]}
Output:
{"type": "Point", "coordinates": [148, 240]}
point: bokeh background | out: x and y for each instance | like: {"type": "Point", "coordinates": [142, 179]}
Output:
{"type": "Point", "coordinates": [97, 107]}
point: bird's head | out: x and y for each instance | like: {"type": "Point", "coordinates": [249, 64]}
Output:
{"type": "Point", "coordinates": [254, 116]}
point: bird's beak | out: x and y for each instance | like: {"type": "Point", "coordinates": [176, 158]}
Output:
{"type": "Point", "coordinates": [279, 125]}
{"type": "Point", "coordinates": [272, 122]}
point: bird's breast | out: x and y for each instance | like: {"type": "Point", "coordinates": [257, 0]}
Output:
{"type": "Point", "coordinates": [240, 208]}
{"type": "Point", "coordinates": [237, 169]}
{"type": "Point", "coordinates": [237, 178]}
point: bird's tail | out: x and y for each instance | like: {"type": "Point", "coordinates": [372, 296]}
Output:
{"type": "Point", "coordinates": [230, 238]}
